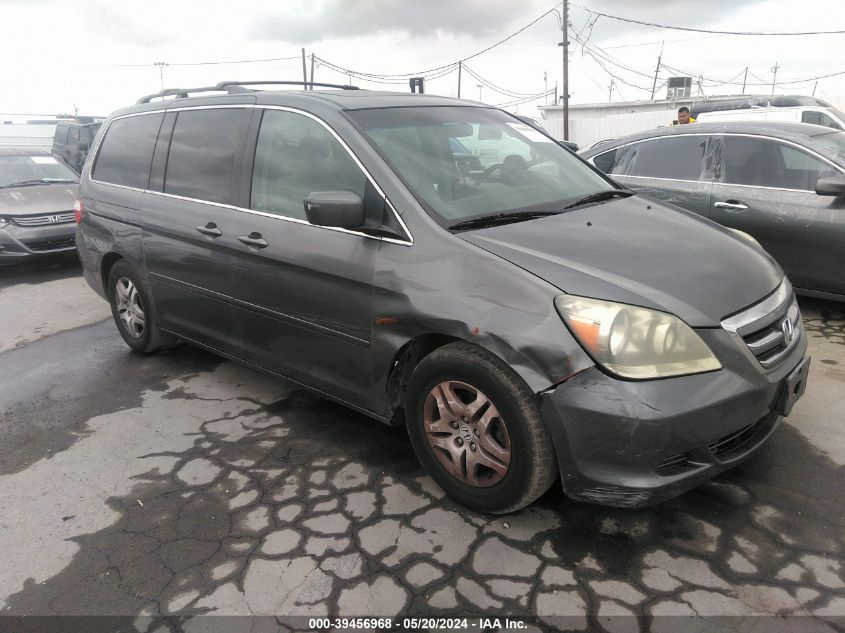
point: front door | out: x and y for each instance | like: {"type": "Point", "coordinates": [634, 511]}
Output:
{"type": "Point", "coordinates": [673, 169]}
{"type": "Point", "coordinates": [767, 189]}
{"type": "Point", "coordinates": [303, 293]}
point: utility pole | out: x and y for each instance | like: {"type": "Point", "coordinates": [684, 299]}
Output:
{"type": "Point", "coordinates": [312, 71]}
{"type": "Point", "coordinates": [744, 78]}
{"type": "Point", "coordinates": [479, 90]}
{"type": "Point", "coordinates": [304, 72]}
{"type": "Point", "coordinates": [610, 91]}
{"type": "Point", "coordinates": [564, 29]}
{"type": "Point", "coordinates": [160, 66]}
{"type": "Point", "coordinates": [774, 76]}
{"type": "Point", "coordinates": [460, 67]}
{"type": "Point", "coordinates": [657, 70]}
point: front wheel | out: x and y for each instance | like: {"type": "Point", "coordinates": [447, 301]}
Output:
{"type": "Point", "coordinates": [477, 430]}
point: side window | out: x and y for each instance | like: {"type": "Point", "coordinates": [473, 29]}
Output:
{"type": "Point", "coordinates": [60, 137]}
{"type": "Point", "coordinates": [811, 116]}
{"type": "Point", "coordinates": [673, 158]}
{"type": "Point", "coordinates": [73, 135]}
{"type": "Point", "coordinates": [204, 150]}
{"type": "Point", "coordinates": [762, 162]}
{"type": "Point", "coordinates": [127, 151]}
{"type": "Point", "coordinates": [828, 122]}
{"type": "Point", "coordinates": [296, 156]}
{"type": "Point", "coordinates": [605, 162]}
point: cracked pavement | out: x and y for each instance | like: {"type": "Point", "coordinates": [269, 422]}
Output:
{"type": "Point", "coordinates": [186, 485]}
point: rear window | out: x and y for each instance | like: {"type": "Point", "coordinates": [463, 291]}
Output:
{"type": "Point", "coordinates": [127, 151]}
{"type": "Point", "coordinates": [203, 153]}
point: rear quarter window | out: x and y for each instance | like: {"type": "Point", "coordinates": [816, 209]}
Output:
{"type": "Point", "coordinates": [126, 152]}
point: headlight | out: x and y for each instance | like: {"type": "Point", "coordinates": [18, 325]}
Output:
{"type": "Point", "coordinates": [3, 222]}
{"type": "Point", "coordinates": [634, 342]}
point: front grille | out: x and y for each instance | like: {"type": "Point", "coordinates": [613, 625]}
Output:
{"type": "Point", "coordinates": [51, 244]}
{"type": "Point", "coordinates": [769, 329]}
{"type": "Point", "coordinates": [62, 217]}
{"type": "Point", "coordinates": [735, 442]}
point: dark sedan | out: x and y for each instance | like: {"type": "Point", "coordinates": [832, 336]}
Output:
{"type": "Point", "coordinates": [782, 183]}
{"type": "Point", "coordinates": [37, 193]}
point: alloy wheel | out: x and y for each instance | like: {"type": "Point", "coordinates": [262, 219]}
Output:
{"type": "Point", "coordinates": [129, 307]}
{"type": "Point", "coordinates": [466, 434]}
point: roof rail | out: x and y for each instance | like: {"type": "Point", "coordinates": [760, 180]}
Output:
{"type": "Point", "coordinates": [237, 87]}
{"type": "Point", "coordinates": [177, 92]}
{"type": "Point", "coordinates": [228, 85]}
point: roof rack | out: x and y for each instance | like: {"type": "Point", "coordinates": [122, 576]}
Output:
{"type": "Point", "coordinates": [228, 85]}
{"type": "Point", "coordinates": [239, 87]}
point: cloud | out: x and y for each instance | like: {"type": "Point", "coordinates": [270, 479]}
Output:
{"type": "Point", "coordinates": [355, 18]}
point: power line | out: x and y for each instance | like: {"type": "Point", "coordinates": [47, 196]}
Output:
{"type": "Point", "coordinates": [455, 63]}
{"type": "Point", "coordinates": [209, 63]}
{"type": "Point", "coordinates": [696, 30]}
{"type": "Point", "coordinates": [499, 89]}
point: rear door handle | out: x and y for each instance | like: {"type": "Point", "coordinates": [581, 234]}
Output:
{"type": "Point", "coordinates": [733, 205]}
{"type": "Point", "coordinates": [210, 230]}
{"type": "Point", "coordinates": [253, 239]}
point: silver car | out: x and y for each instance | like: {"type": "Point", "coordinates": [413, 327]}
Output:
{"type": "Point", "coordinates": [37, 195]}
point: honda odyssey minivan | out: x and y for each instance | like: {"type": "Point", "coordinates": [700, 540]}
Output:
{"type": "Point", "coordinates": [525, 320]}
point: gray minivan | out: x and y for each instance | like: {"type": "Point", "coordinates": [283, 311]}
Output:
{"type": "Point", "coordinates": [528, 321]}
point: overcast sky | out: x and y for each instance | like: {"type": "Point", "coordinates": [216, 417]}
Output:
{"type": "Point", "coordinates": [97, 55]}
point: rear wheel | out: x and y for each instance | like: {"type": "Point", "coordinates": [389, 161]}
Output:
{"type": "Point", "coordinates": [134, 313]}
{"type": "Point", "coordinates": [477, 430]}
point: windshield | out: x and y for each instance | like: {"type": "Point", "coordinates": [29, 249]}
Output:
{"type": "Point", "coordinates": [517, 167]}
{"type": "Point", "coordinates": [33, 170]}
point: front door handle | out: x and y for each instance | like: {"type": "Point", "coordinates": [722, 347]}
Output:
{"type": "Point", "coordinates": [210, 230]}
{"type": "Point", "coordinates": [253, 239]}
{"type": "Point", "coordinates": [731, 205]}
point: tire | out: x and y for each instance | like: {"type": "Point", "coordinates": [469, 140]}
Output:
{"type": "Point", "coordinates": [491, 450]}
{"type": "Point", "coordinates": [134, 312]}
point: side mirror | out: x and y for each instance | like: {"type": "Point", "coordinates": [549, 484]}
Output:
{"type": "Point", "coordinates": [342, 209]}
{"type": "Point", "coordinates": [833, 186]}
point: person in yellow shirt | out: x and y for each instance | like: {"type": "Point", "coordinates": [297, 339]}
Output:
{"type": "Point", "coordinates": [683, 116]}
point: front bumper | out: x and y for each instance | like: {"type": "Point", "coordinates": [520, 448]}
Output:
{"type": "Point", "coordinates": [19, 243]}
{"type": "Point", "coordinates": [628, 444]}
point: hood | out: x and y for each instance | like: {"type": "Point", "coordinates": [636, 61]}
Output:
{"type": "Point", "coordinates": [38, 199]}
{"type": "Point", "coordinates": [642, 253]}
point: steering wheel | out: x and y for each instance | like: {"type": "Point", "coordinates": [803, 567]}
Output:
{"type": "Point", "coordinates": [486, 173]}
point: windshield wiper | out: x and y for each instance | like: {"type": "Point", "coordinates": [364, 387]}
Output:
{"type": "Point", "coordinates": [501, 218]}
{"type": "Point", "coordinates": [601, 195]}
{"type": "Point", "coordinates": [37, 181]}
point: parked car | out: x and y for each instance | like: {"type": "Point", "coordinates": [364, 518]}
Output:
{"type": "Point", "coordinates": [537, 322]}
{"type": "Point", "coordinates": [782, 183]}
{"type": "Point", "coordinates": [72, 140]}
{"type": "Point", "coordinates": [815, 115]}
{"type": "Point", "coordinates": [572, 146]}
{"type": "Point", "coordinates": [37, 194]}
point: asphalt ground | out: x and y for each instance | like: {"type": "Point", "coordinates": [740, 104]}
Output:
{"type": "Point", "coordinates": [180, 486]}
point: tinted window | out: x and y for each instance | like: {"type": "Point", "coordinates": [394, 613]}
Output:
{"type": "Point", "coordinates": [606, 161]}
{"type": "Point", "coordinates": [127, 151]}
{"type": "Point", "coordinates": [203, 153]}
{"type": "Point", "coordinates": [295, 156]}
{"type": "Point", "coordinates": [60, 136]}
{"type": "Point", "coordinates": [811, 117]}
{"type": "Point", "coordinates": [675, 158]}
{"type": "Point", "coordinates": [764, 162]}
